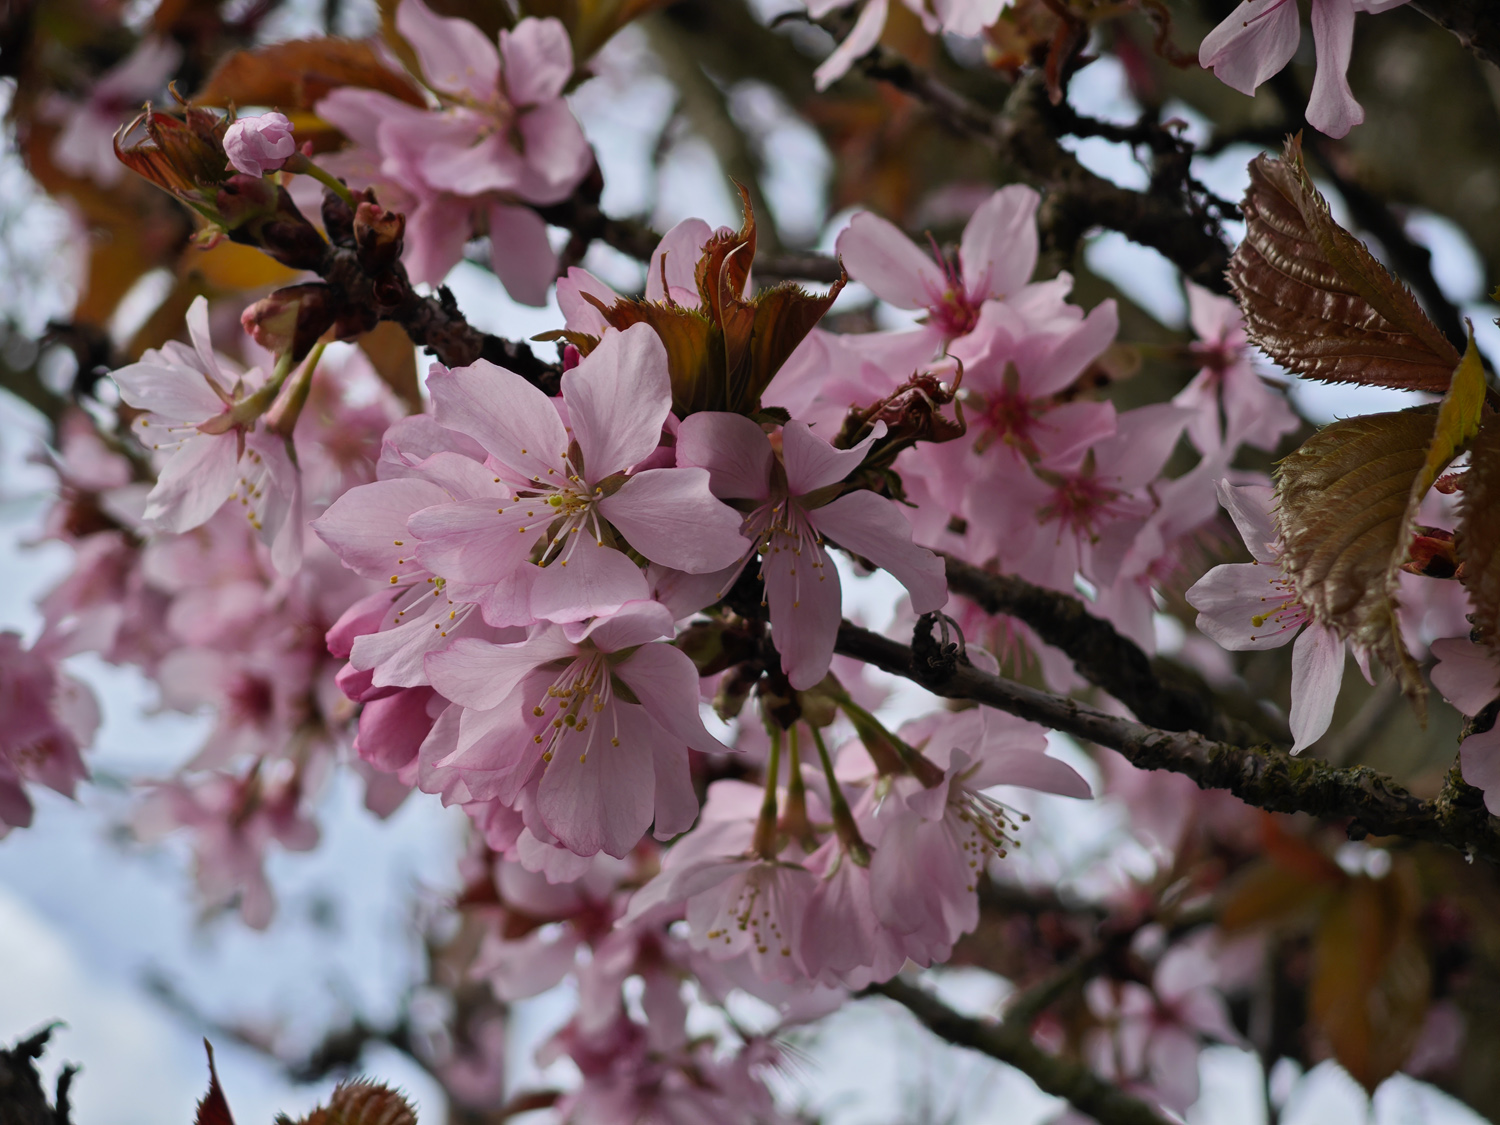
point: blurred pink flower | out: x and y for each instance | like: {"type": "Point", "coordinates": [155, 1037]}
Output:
{"type": "Point", "coordinates": [257, 145]}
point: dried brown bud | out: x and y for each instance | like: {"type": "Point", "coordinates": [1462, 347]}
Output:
{"type": "Point", "coordinates": [378, 234]}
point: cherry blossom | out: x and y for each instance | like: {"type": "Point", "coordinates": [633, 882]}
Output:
{"type": "Point", "coordinates": [598, 713]}
{"type": "Point", "coordinates": [793, 513]}
{"type": "Point", "coordinates": [202, 415]}
{"type": "Point", "coordinates": [503, 133]}
{"type": "Point", "coordinates": [549, 549]}
{"type": "Point", "coordinates": [49, 718]}
{"type": "Point", "coordinates": [1468, 675]}
{"type": "Point", "coordinates": [1254, 605]}
{"type": "Point", "coordinates": [956, 17]}
{"type": "Point", "coordinates": [996, 258]}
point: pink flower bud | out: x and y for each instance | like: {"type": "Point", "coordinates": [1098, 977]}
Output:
{"type": "Point", "coordinates": [257, 145]}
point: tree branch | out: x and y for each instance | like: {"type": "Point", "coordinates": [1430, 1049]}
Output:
{"type": "Point", "coordinates": [1099, 653]}
{"type": "Point", "coordinates": [1174, 221]}
{"type": "Point", "coordinates": [1011, 1044]}
{"type": "Point", "coordinates": [1475, 22]}
{"type": "Point", "coordinates": [1262, 776]}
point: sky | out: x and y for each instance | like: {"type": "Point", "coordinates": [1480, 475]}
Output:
{"type": "Point", "coordinates": [87, 918]}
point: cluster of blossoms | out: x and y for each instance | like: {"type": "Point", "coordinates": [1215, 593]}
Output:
{"type": "Point", "coordinates": [525, 604]}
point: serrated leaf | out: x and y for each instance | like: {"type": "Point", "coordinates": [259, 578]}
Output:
{"type": "Point", "coordinates": [362, 1103]}
{"type": "Point", "coordinates": [1342, 506]}
{"type": "Point", "coordinates": [299, 73]}
{"type": "Point", "coordinates": [1477, 537]}
{"type": "Point", "coordinates": [213, 1109]}
{"type": "Point", "coordinates": [1315, 298]}
{"type": "Point", "coordinates": [1371, 980]}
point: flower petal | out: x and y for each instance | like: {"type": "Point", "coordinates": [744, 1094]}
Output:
{"type": "Point", "coordinates": [194, 483]}
{"type": "Point", "coordinates": [618, 397]}
{"type": "Point", "coordinates": [812, 463]}
{"type": "Point", "coordinates": [520, 254]}
{"type": "Point", "coordinates": [1254, 42]}
{"type": "Point", "coordinates": [665, 680]}
{"type": "Point", "coordinates": [670, 516]}
{"type": "Point", "coordinates": [1332, 108]}
{"type": "Point", "coordinates": [603, 800]}
{"type": "Point", "coordinates": [591, 581]}
{"type": "Point", "coordinates": [454, 57]}
{"type": "Point", "coordinates": [999, 247]}
{"type": "Point", "coordinates": [873, 527]}
{"type": "Point", "coordinates": [1228, 599]}
{"type": "Point", "coordinates": [513, 420]}
{"type": "Point", "coordinates": [675, 259]}
{"type": "Point", "coordinates": [538, 60]}
{"type": "Point", "coordinates": [806, 605]}
{"type": "Point", "coordinates": [477, 674]}
{"type": "Point", "coordinates": [734, 450]}
{"type": "Point", "coordinates": [879, 256]}
{"type": "Point", "coordinates": [1317, 673]}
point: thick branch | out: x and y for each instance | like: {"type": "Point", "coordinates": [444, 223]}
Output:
{"type": "Point", "coordinates": [1176, 224]}
{"type": "Point", "coordinates": [1012, 1044]}
{"type": "Point", "coordinates": [1099, 653]}
{"type": "Point", "coordinates": [1475, 22]}
{"type": "Point", "coordinates": [1262, 776]}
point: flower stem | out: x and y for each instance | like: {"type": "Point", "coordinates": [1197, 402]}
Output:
{"type": "Point", "coordinates": [282, 417]}
{"type": "Point", "coordinates": [794, 821]}
{"type": "Point", "coordinates": [881, 744]}
{"type": "Point", "coordinates": [301, 165]}
{"type": "Point", "coordinates": [843, 816]}
{"type": "Point", "coordinates": [764, 844]}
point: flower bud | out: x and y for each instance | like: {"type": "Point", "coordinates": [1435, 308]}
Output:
{"type": "Point", "coordinates": [257, 145]}
{"type": "Point", "coordinates": [377, 235]}
{"type": "Point", "coordinates": [291, 319]}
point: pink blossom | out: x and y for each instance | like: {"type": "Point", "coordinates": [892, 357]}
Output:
{"type": "Point", "coordinates": [600, 715]}
{"type": "Point", "coordinates": [792, 515]}
{"type": "Point", "coordinates": [257, 145]}
{"type": "Point", "coordinates": [670, 276]}
{"type": "Point", "coordinates": [1231, 403]}
{"type": "Point", "coordinates": [202, 416]}
{"type": "Point", "coordinates": [1254, 605]}
{"type": "Point", "coordinates": [995, 260]}
{"type": "Point", "coordinates": [502, 133]}
{"type": "Point", "coordinates": [1260, 37]}
{"type": "Point", "coordinates": [1468, 675]}
{"type": "Point", "coordinates": [233, 820]}
{"type": "Point", "coordinates": [956, 17]}
{"type": "Point", "coordinates": [548, 550]}
{"type": "Point", "coordinates": [46, 719]}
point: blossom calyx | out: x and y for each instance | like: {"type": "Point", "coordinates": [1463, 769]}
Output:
{"type": "Point", "coordinates": [260, 213]}
{"type": "Point", "coordinates": [291, 319]}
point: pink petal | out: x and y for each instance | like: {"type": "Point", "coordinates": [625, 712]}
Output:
{"type": "Point", "coordinates": [538, 60]}
{"type": "Point", "coordinates": [676, 257]}
{"type": "Point", "coordinates": [676, 801]}
{"type": "Point", "coordinates": [873, 527]}
{"type": "Point", "coordinates": [556, 153]}
{"type": "Point", "coordinates": [391, 730]}
{"type": "Point", "coordinates": [734, 450]}
{"type": "Point", "coordinates": [1332, 108]}
{"type": "Point", "coordinates": [478, 674]}
{"type": "Point", "coordinates": [618, 397]}
{"type": "Point", "coordinates": [435, 236]}
{"type": "Point", "coordinates": [1033, 770]}
{"type": "Point", "coordinates": [453, 56]}
{"type": "Point", "coordinates": [1317, 672]}
{"type": "Point", "coordinates": [879, 256]}
{"type": "Point", "coordinates": [1048, 364]}
{"type": "Point", "coordinates": [670, 516]}
{"type": "Point", "coordinates": [513, 420]}
{"type": "Point", "coordinates": [1250, 505]}
{"type": "Point", "coordinates": [169, 390]}
{"type": "Point", "coordinates": [806, 607]}
{"type": "Point", "coordinates": [635, 623]}
{"type": "Point", "coordinates": [579, 314]}
{"type": "Point", "coordinates": [1479, 760]}
{"type": "Point", "coordinates": [1467, 674]}
{"type": "Point", "coordinates": [812, 463]}
{"type": "Point", "coordinates": [477, 542]}
{"type": "Point", "coordinates": [520, 254]}
{"type": "Point", "coordinates": [1256, 40]}
{"type": "Point", "coordinates": [603, 801]}
{"type": "Point", "coordinates": [666, 683]}
{"type": "Point", "coordinates": [999, 246]}
{"type": "Point", "coordinates": [194, 483]}
{"type": "Point", "coordinates": [596, 580]}
{"type": "Point", "coordinates": [1228, 597]}
{"type": "Point", "coordinates": [860, 41]}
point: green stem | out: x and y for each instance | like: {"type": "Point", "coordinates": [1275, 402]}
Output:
{"type": "Point", "coordinates": [843, 817]}
{"type": "Point", "coordinates": [282, 417]}
{"type": "Point", "coordinates": [878, 739]}
{"type": "Point", "coordinates": [764, 843]}
{"type": "Point", "coordinates": [794, 820]}
{"type": "Point", "coordinates": [301, 165]}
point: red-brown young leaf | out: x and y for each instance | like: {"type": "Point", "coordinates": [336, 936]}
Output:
{"type": "Point", "coordinates": [360, 1103]}
{"type": "Point", "coordinates": [1477, 537]}
{"type": "Point", "coordinates": [1315, 298]}
{"type": "Point", "coordinates": [299, 73]}
{"type": "Point", "coordinates": [213, 1109]}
